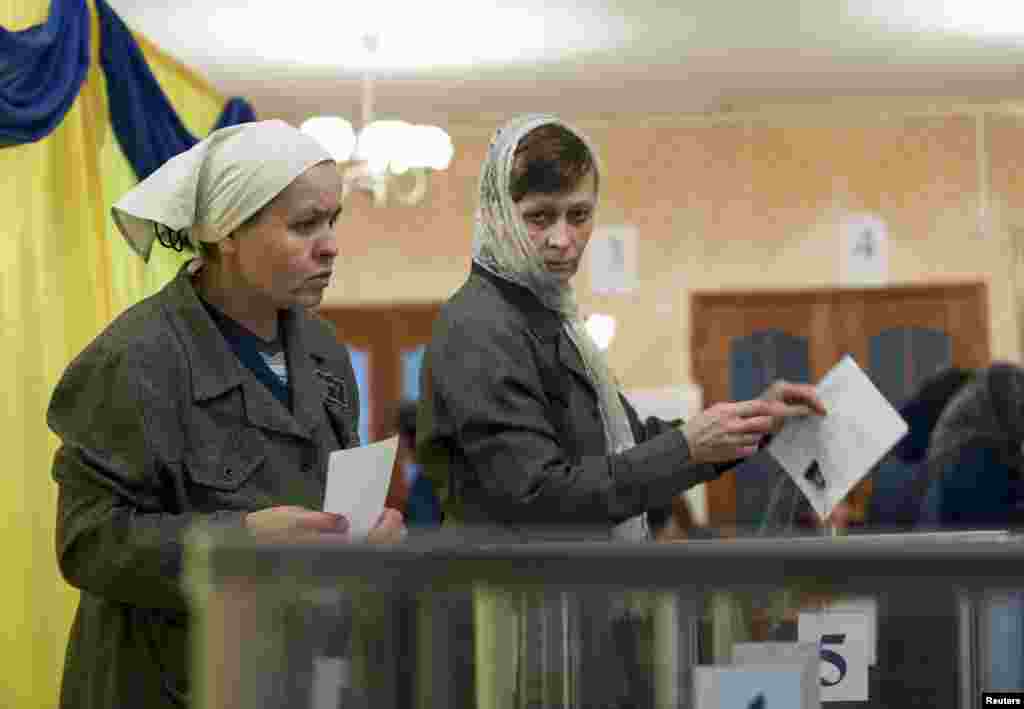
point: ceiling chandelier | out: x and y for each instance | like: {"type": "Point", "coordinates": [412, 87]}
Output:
{"type": "Point", "coordinates": [389, 159]}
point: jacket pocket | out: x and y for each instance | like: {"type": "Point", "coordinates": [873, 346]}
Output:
{"type": "Point", "coordinates": [343, 424]}
{"type": "Point", "coordinates": [227, 462]}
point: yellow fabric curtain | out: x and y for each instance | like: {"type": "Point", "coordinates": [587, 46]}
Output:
{"type": "Point", "coordinates": [66, 274]}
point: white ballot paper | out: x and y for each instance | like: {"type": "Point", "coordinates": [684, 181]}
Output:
{"type": "Point", "coordinates": [827, 455]}
{"type": "Point", "coordinates": [357, 483]}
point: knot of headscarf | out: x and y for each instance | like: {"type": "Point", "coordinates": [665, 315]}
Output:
{"type": "Point", "coordinates": [501, 245]}
{"type": "Point", "coordinates": [208, 191]}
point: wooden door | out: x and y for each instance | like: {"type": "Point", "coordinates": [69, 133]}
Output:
{"type": "Point", "coordinates": [833, 323]}
{"type": "Point", "coordinates": [384, 333]}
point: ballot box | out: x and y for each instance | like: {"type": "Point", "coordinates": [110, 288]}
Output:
{"type": "Point", "coordinates": [488, 620]}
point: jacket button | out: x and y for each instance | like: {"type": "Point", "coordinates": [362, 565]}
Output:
{"type": "Point", "coordinates": [308, 459]}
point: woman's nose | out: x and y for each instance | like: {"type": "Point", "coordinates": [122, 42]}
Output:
{"type": "Point", "coordinates": [560, 237]}
{"type": "Point", "coordinates": [327, 245]}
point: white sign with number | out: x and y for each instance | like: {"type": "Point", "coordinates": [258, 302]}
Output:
{"type": "Point", "coordinates": [758, 686]}
{"type": "Point", "coordinates": [612, 259]}
{"type": "Point", "coordinates": [802, 655]}
{"type": "Point", "coordinates": [845, 640]}
{"type": "Point", "coordinates": [865, 250]}
{"type": "Point", "coordinates": [869, 607]}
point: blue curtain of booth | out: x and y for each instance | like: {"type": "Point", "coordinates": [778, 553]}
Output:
{"type": "Point", "coordinates": [146, 125]}
{"type": "Point", "coordinates": [41, 72]}
{"type": "Point", "coordinates": [42, 69]}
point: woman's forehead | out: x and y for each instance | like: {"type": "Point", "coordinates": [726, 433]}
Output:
{"type": "Point", "coordinates": [319, 186]}
{"type": "Point", "coordinates": [583, 193]}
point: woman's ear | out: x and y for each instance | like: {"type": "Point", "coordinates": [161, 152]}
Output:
{"type": "Point", "coordinates": [226, 245]}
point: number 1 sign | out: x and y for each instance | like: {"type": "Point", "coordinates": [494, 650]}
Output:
{"type": "Point", "coordinates": [761, 676]}
{"type": "Point", "coordinates": [749, 687]}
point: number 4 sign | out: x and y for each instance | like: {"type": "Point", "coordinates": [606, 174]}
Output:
{"type": "Point", "coordinates": [844, 640]}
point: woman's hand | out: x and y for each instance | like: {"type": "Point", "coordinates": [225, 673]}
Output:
{"type": "Point", "coordinates": [801, 396]}
{"type": "Point", "coordinates": [732, 431]}
{"type": "Point", "coordinates": [291, 523]}
{"type": "Point", "coordinates": [390, 528]}
{"type": "Point", "coordinates": [840, 516]}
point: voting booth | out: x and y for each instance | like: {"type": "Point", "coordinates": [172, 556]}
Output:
{"type": "Point", "coordinates": [493, 621]}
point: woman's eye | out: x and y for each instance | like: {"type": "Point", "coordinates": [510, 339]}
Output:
{"type": "Point", "coordinates": [542, 219]}
{"type": "Point", "coordinates": [579, 217]}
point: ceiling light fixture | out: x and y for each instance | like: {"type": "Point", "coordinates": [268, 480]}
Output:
{"type": "Point", "coordinates": [387, 158]}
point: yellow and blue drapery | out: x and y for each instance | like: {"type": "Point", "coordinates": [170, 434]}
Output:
{"type": "Point", "coordinates": [75, 136]}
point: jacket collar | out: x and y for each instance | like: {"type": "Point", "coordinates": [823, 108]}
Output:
{"type": "Point", "coordinates": [546, 324]}
{"type": "Point", "coordinates": [215, 369]}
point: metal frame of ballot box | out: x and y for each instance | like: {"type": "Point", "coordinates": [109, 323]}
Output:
{"type": "Point", "coordinates": [234, 581]}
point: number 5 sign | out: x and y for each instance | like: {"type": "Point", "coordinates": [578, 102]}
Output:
{"type": "Point", "coordinates": [844, 642]}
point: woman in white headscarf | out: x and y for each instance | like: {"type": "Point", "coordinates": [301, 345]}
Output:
{"type": "Point", "coordinates": [215, 401]}
{"type": "Point", "coordinates": [522, 423]}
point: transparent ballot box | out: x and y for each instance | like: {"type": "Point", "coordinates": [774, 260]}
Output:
{"type": "Point", "coordinates": [919, 620]}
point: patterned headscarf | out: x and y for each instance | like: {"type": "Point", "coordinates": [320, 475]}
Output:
{"type": "Point", "coordinates": [501, 245]}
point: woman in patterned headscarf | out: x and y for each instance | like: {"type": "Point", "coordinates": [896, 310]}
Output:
{"type": "Point", "coordinates": [522, 423]}
{"type": "Point", "coordinates": [522, 420]}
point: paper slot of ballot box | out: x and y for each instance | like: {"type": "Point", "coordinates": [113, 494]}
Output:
{"type": "Point", "coordinates": [844, 638]}
{"type": "Point", "coordinates": [357, 484]}
{"type": "Point", "coordinates": [827, 455]}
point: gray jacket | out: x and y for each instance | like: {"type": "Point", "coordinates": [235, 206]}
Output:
{"type": "Point", "coordinates": [509, 426]}
{"type": "Point", "coordinates": [162, 427]}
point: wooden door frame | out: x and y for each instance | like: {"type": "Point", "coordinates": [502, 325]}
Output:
{"type": "Point", "coordinates": [383, 331]}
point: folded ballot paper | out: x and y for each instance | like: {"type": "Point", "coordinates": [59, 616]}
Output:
{"type": "Point", "coordinates": [357, 484]}
{"type": "Point", "coordinates": [827, 455]}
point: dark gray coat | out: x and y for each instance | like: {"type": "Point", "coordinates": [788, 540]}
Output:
{"type": "Point", "coordinates": [162, 427]}
{"type": "Point", "coordinates": [509, 425]}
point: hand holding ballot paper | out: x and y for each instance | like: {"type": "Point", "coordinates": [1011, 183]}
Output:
{"type": "Point", "coordinates": [734, 430]}
{"type": "Point", "coordinates": [827, 455]}
{"type": "Point", "coordinates": [357, 482]}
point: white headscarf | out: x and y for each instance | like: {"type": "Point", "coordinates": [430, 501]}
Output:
{"type": "Point", "coordinates": [502, 246]}
{"type": "Point", "coordinates": [208, 191]}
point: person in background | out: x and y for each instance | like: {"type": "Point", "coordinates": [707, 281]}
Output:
{"type": "Point", "coordinates": [976, 455]}
{"type": "Point", "coordinates": [216, 401]}
{"type": "Point", "coordinates": [421, 505]}
{"type": "Point", "coordinates": [900, 481]}
{"type": "Point", "coordinates": [976, 469]}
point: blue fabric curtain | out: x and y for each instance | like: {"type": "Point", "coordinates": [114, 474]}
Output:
{"type": "Point", "coordinates": [146, 125]}
{"type": "Point", "coordinates": [41, 72]}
